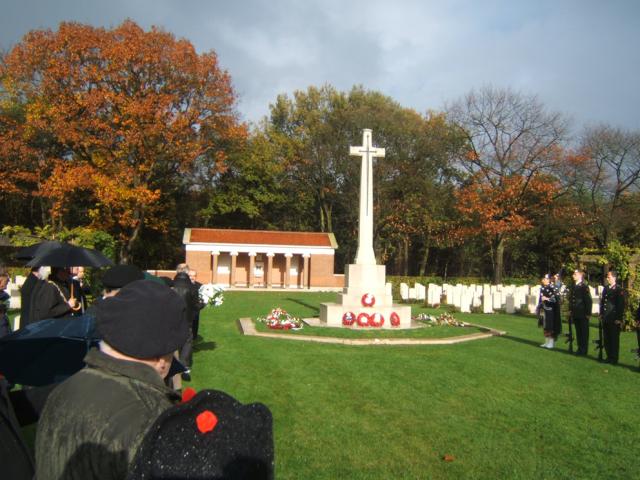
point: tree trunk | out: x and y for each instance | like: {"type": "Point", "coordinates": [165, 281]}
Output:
{"type": "Point", "coordinates": [127, 246]}
{"type": "Point", "coordinates": [423, 262]}
{"type": "Point", "coordinates": [405, 256]}
{"type": "Point", "coordinates": [499, 261]}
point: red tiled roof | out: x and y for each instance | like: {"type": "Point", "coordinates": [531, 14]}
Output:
{"type": "Point", "coordinates": [260, 237]}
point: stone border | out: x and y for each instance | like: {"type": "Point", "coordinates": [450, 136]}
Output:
{"type": "Point", "coordinates": [248, 328]}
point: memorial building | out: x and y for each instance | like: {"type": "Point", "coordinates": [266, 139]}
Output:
{"type": "Point", "coordinates": [262, 259]}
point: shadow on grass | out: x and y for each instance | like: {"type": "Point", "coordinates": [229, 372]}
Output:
{"type": "Point", "coordinates": [563, 351]}
{"type": "Point", "coordinates": [313, 307]}
{"type": "Point", "coordinates": [203, 346]}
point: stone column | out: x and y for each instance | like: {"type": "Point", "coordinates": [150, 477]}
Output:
{"type": "Point", "coordinates": [232, 280]}
{"type": "Point", "coordinates": [252, 269]}
{"type": "Point", "coordinates": [306, 277]}
{"type": "Point", "coordinates": [214, 267]}
{"type": "Point", "coordinates": [269, 272]}
{"type": "Point", "coordinates": [287, 270]}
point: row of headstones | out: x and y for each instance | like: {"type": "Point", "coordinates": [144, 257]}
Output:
{"type": "Point", "coordinates": [510, 298]}
{"type": "Point", "coordinates": [13, 289]}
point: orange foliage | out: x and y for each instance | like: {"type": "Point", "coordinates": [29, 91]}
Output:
{"type": "Point", "coordinates": [504, 210]}
{"type": "Point", "coordinates": [127, 110]}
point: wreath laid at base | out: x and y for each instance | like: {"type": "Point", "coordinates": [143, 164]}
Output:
{"type": "Point", "coordinates": [280, 319]}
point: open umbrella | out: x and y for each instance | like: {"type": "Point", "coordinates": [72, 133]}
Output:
{"type": "Point", "coordinates": [51, 350]}
{"type": "Point", "coordinates": [47, 351]}
{"type": "Point", "coordinates": [67, 255]}
{"type": "Point", "coordinates": [39, 249]}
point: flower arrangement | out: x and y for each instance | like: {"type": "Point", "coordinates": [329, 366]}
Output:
{"type": "Point", "coordinates": [280, 319]}
{"type": "Point", "coordinates": [439, 321]}
{"type": "Point", "coordinates": [211, 295]}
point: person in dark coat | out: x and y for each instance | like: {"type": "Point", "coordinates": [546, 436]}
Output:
{"type": "Point", "coordinates": [580, 305]}
{"type": "Point", "coordinates": [17, 409]}
{"type": "Point", "coordinates": [611, 314]}
{"type": "Point", "coordinates": [184, 288]}
{"type": "Point", "coordinates": [195, 325]}
{"type": "Point", "coordinates": [547, 309]}
{"type": "Point", "coordinates": [26, 291]}
{"type": "Point", "coordinates": [52, 298]}
{"type": "Point", "coordinates": [5, 298]}
{"type": "Point", "coordinates": [93, 422]}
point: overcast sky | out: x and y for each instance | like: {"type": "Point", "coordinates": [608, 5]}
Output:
{"type": "Point", "coordinates": [581, 57]}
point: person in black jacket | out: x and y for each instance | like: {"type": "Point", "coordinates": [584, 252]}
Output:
{"type": "Point", "coordinates": [580, 304]}
{"type": "Point", "coordinates": [195, 324]}
{"type": "Point", "coordinates": [53, 299]}
{"type": "Point", "coordinates": [26, 291]}
{"type": "Point", "coordinates": [184, 288]}
{"type": "Point", "coordinates": [611, 312]}
{"type": "Point", "coordinates": [5, 298]}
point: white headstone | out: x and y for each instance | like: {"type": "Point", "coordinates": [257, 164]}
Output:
{"type": "Point", "coordinates": [421, 292]}
{"type": "Point", "coordinates": [404, 292]}
{"type": "Point", "coordinates": [510, 306]}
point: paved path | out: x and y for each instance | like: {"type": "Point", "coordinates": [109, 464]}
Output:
{"type": "Point", "coordinates": [248, 328]}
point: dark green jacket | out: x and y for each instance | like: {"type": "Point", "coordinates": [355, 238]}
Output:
{"type": "Point", "coordinates": [93, 422]}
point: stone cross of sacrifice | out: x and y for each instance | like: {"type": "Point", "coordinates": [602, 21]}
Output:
{"type": "Point", "coordinates": [365, 255]}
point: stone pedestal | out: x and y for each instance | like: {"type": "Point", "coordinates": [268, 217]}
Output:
{"type": "Point", "coordinates": [365, 302]}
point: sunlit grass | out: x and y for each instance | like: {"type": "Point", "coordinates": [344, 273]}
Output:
{"type": "Point", "coordinates": [501, 407]}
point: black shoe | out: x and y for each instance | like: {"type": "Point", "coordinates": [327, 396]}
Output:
{"type": "Point", "coordinates": [186, 376]}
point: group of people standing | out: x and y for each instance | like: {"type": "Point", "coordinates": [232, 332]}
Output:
{"type": "Point", "coordinates": [612, 304]}
{"type": "Point", "coordinates": [112, 419]}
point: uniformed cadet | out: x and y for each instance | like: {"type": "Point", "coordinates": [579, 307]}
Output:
{"type": "Point", "coordinates": [580, 304]}
{"type": "Point", "coordinates": [611, 311]}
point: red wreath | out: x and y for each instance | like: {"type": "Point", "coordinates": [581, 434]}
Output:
{"type": "Point", "coordinates": [395, 319]}
{"type": "Point", "coordinates": [372, 321]}
{"type": "Point", "coordinates": [368, 300]}
{"type": "Point", "coordinates": [366, 318]}
{"type": "Point", "coordinates": [348, 318]}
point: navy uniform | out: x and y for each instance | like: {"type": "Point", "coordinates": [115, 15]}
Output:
{"type": "Point", "coordinates": [611, 311]}
{"type": "Point", "coordinates": [580, 305]}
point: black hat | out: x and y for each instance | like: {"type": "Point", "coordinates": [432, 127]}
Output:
{"type": "Point", "coordinates": [144, 320]}
{"type": "Point", "coordinates": [212, 436]}
{"type": "Point", "coordinates": [121, 275]}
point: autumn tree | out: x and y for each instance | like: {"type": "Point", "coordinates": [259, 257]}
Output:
{"type": "Point", "coordinates": [312, 131]}
{"type": "Point", "coordinates": [121, 117]}
{"type": "Point", "coordinates": [610, 179]}
{"type": "Point", "coordinates": [513, 145]}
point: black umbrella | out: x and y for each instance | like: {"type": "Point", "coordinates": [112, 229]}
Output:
{"type": "Point", "coordinates": [71, 256]}
{"type": "Point", "coordinates": [47, 351]}
{"type": "Point", "coordinates": [39, 249]}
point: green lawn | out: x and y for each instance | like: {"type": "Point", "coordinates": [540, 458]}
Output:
{"type": "Point", "coordinates": [502, 407]}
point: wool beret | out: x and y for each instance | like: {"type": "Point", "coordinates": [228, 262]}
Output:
{"type": "Point", "coordinates": [120, 275]}
{"type": "Point", "coordinates": [212, 436]}
{"type": "Point", "coordinates": [144, 320]}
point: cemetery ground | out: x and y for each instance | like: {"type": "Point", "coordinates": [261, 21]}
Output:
{"type": "Point", "coordinates": [494, 408]}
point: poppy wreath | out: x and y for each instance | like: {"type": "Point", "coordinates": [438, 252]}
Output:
{"type": "Point", "coordinates": [369, 320]}
{"type": "Point", "coordinates": [348, 318]}
{"type": "Point", "coordinates": [372, 320]}
{"type": "Point", "coordinates": [368, 300]}
{"type": "Point", "coordinates": [363, 319]}
{"type": "Point", "coordinates": [394, 319]}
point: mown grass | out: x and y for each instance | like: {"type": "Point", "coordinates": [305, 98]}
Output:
{"type": "Point", "coordinates": [501, 407]}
